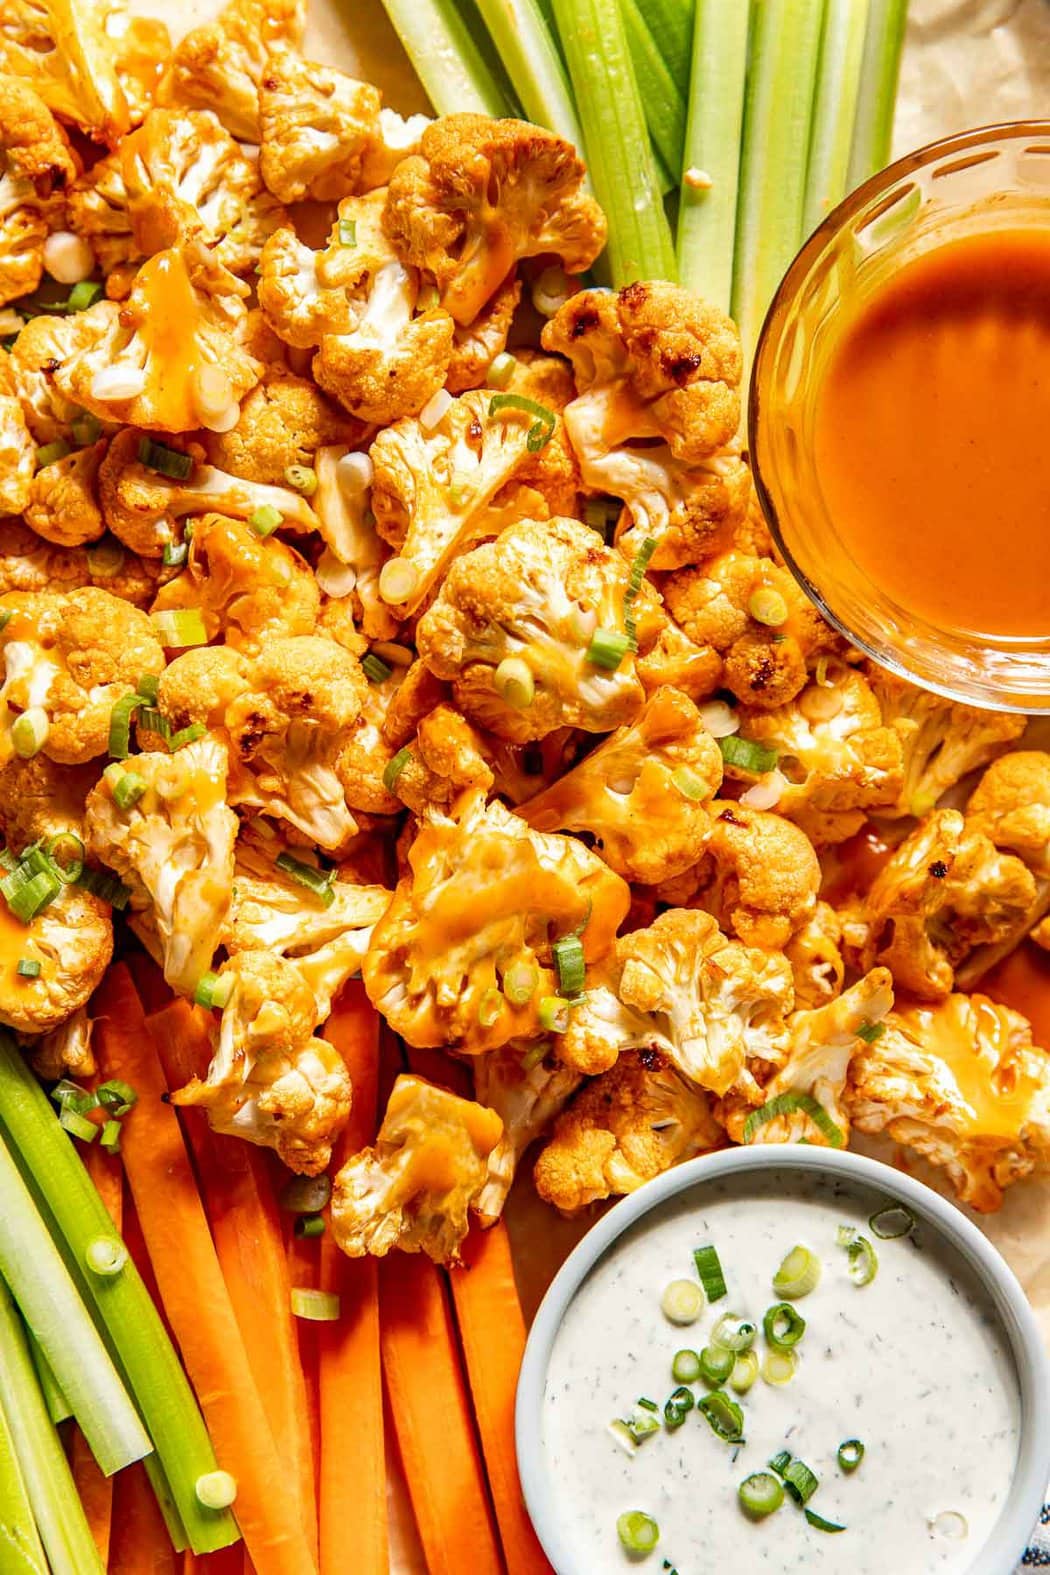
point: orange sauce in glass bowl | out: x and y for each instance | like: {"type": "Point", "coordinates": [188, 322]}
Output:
{"type": "Point", "coordinates": [931, 435]}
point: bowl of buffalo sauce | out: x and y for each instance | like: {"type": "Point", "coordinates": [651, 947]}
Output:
{"type": "Point", "coordinates": [900, 417]}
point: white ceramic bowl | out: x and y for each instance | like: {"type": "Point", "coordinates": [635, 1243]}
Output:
{"type": "Point", "coordinates": [1010, 1534]}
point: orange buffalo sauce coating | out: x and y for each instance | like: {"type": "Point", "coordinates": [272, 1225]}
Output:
{"type": "Point", "coordinates": [930, 435]}
{"type": "Point", "coordinates": [169, 330]}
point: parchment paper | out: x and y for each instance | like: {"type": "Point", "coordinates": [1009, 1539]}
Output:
{"type": "Point", "coordinates": [966, 63]}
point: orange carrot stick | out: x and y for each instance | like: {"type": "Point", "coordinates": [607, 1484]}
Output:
{"type": "Point", "coordinates": [140, 1544]}
{"type": "Point", "coordinates": [432, 1418]}
{"type": "Point", "coordinates": [349, 1366]}
{"type": "Point", "coordinates": [193, 1291]}
{"type": "Point", "coordinates": [96, 1490]}
{"type": "Point", "coordinates": [246, 1228]}
{"type": "Point", "coordinates": [492, 1330]}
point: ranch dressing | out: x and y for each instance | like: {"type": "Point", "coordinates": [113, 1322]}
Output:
{"type": "Point", "coordinates": [914, 1364]}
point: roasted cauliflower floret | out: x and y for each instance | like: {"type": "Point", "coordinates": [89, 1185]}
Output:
{"type": "Point", "coordinates": [283, 422]}
{"type": "Point", "coordinates": [41, 347]}
{"type": "Point", "coordinates": [642, 794]}
{"type": "Point", "coordinates": [961, 1084]}
{"type": "Point", "coordinates": [627, 1126]}
{"type": "Point", "coordinates": [39, 799]}
{"type": "Point", "coordinates": [67, 660]}
{"type": "Point", "coordinates": [65, 1051]}
{"type": "Point", "coordinates": [62, 504]}
{"type": "Point", "coordinates": [174, 849]}
{"type": "Point", "coordinates": [534, 598]}
{"type": "Point", "coordinates": [250, 591]}
{"type": "Point", "coordinates": [346, 522]}
{"type": "Point", "coordinates": [143, 362]}
{"type": "Point", "coordinates": [62, 47]}
{"type": "Point", "coordinates": [72, 940]}
{"type": "Point", "coordinates": [815, 955]}
{"type": "Point", "coordinates": [446, 760]}
{"type": "Point", "coordinates": [17, 449]}
{"type": "Point", "coordinates": [942, 741]}
{"type": "Point", "coordinates": [28, 563]}
{"type": "Point", "coordinates": [415, 1187]}
{"type": "Point", "coordinates": [439, 959]}
{"type": "Point", "coordinates": [271, 1080]}
{"type": "Point", "coordinates": [480, 195]}
{"type": "Point", "coordinates": [219, 66]}
{"type": "Point", "coordinates": [1011, 806]}
{"type": "Point", "coordinates": [287, 729]}
{"type": "Point", "coordinates": [526, 1089]}
{"type": "Point", "coordinates": [35, 163]}
{"type": "Point", "coordinates": [201, 685]}
{"type": "Point", "coordinates": [476, 346]}
{"type": "Point", "coordinates": [945, 892]}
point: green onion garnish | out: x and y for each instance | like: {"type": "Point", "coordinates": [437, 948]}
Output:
{"type": "Point", "coordinates": [65, 851]}
{"type": "Point", "coordinates": [116, 1096]}
{"type": "Point", "coordinates": [685, 1369]}
{"type": "Point", "coordinates": [51, 453]}
{"type": "Point", "coordinates": [110, 1137]}
{"type": "Point", "coordinates": [687, 783]}
{"type": "Point", "coordinates": [677, 1407]}
{"type": "Point", "coordinates": [375, 669]}
{"type": "Point", "coordinates": [347, 232]}
{"type": "Point", "coordinates": [317, 881]}
{"type": "Point", "coordinates": [128, 790]}
{"type": "Point", "coordinates": [863, 1260]}
{"type": "Point", "coordinates": [637, 1531]}
{"type": "Point", "coordinates": [639, 565]}
{"type": "Point", "coordinates": [747, 754]}
{"type": "Point", "coordinates": [644, 1420]}
{"type": "Point", "coordinates": [167, 461]}
{"type": "Point", "coordinates": [213, 990]}
{"type": "Point", "coordinates": [783, 1326]}
{"type": "Point", "coordinates": [216, 1489]}
{"type": "Point", "coordinates": [850, 1454]}
{"type": "Point", "coordinates": [535, 1054]}
{"type": "Point", "coordinates": [150, 720]}
{"type": "Point", "coordinates": [301, 479]}
{"type": "Point", "coordinates": [308, 1225]}
{"type": "Point", "coordinates": [501, 370]}
{"type": "Point", "coordinates": [185, 735]}
{"type": "Point", "coordinates": [28, 968]}
{"type": "Point", "coordinates": [83, 294]}
{"type": "Point", "coordinates": [820, 1523]}
{"type": "Point", "coordinates": [106, 1256]}
{"type": "Point", "coordinates": [264, 520]}
{"type": "Point", "coordinates": [682, 1302]}
{"type": "Point", "coordinates": [180, 627]}
{"type": "Point", "coordinates": [85, 430]}
{"type": "Point", "coordinates": [66, 1093]}
{"type": "Point", "coordinates": [796, 1476]}
{"type": "Point", "coordinates": [27, 895]}
{"type": "Point", "coordinates": [175, 554]}
{"type": "Point", "coordinates": [553, 1014]}
{"type": "Point", "coordinates": [791, 1103]}
{"type": "Point", "coordinates": [716, 1364]}
{"type": "Point", "coordinates": [745, 1371]}
{"type": "Point", "coordinates": [76, 1125]}
{"type": "Point", "coordinates": [514, 683]}
{"type": "Point", "coordinates": [490, 1007]}
{"type": "Point", "coordinates": [520, 981]}
{"type": "Point", "coordinates": [569, 963]}
{"type": "Point", "coordinates": [541, 432]}
{"type": "Point", "coordinates": [148, 687]}
{"type": "Point", "coordinates": [306, 1194]}
{"type": "Point", "coordinates": [607, 649]}
{"type": "Point", "coordinates": [29, 732]}
{"type": "Point", "coordinates": [798, 1274]}
{"type": "Point", "coordinates": [315, 1306]}
{"type": "Point", "coordinates": [104, 886]}
{"type": "Point", "coordinates": [394, 767]}
{"type": "Point", "coordinates": [760, 1495]}
{"type": "Point", "coordinates": [723, 1415]}
{"type": "Point", "coordinates": [869, 1032]}
{"type": "Point", "coordinates": [120, 725]}
{"type": "Point", "coordinates": [892, 1222]}
{"type": "Point", "coordinates": [733, 1333]}
{"type": "Point", "coordinates": [709, 1269]}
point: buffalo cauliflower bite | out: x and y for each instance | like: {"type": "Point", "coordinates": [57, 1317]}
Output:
{"type": "Point", "coordinates": [68, 659]}
{"type": "Point", "coordinates": [17, 449]}
{"type": "Point", "coordinates": [283, 422]}
{"type": "Point", "coordinates": [942, 741]}
{"type": "Point", "coordinates": [527, 1090]}
{"type": "Point", "coordinates": [1011, 806]}
{"type": "Point", "coordinates": [143, 362]}
{"type": "Point", "coordinates": [840, 763]}
{"type": "Point", "coordinates": [961, 1084]}
{"type": "Point", "coordinates": [30, 564]}
{"type": "Point", "coordinates": [476, 346]}
{"type": "Point", "coordinates": [642, 794]}
{"type": "Point", "coordinates": [439, 958]}
{"type": "Point", "coordinates": [654, 421]}
{"type": "Point", "coordinates": [250, 591]}
{"type": "Point", "coordinates": [62, 47]}
{"type": "Point", "coordinates": [813, 1066]}
{"type": "Point", "coordinates": [414, 1188]}
{"type": "Point", "coordinates": [35, 163]}
{"type": "Point", "coordinates": [72, 940]}
{"type": "Point", "coordinates": [219, 66]}
{"type": "Point", "coordinates": [62, 503]}
{"type": "Point", "coordinates": [287, 728]}
{"type": "Point", "coordinates": [945, 892]}
{"type": "Point", "coordinates": [40, 348]}
{"type": "Point", "coordinates": [201, 685]}
{"type": "Point", "coordinates": [65, 1051]}
{"type": "Point", "coordinates": [174, 849]}
{"type": "Point", "coordinates": [271, 1080]}
{"type": "Point", "coordinates": [40, 800]}
{"type": "Point", "coordinates": [480, 195]}
{"type": "Point", "coordinates": [446, 760]}
{"type": "Point", "coordinates": [815, 955]}
{"type": "Point", "coordinates": [347, 525]}
{"type": "Point", "coordinates": [535, 598]}
{"type": "Point", "coordinates": [630, 1124]}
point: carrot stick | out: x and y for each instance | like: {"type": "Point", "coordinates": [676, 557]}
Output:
{"type": "Point", "coordinates": [140, 1544]}
{"type": "Point", "coordinates": [432, 1418]}
{"type": "Point", "coordinates": [349, 1367]}
{"type": "Point", "coordinates": [246, 1229]}
{"type": "Point", "coordinates": [193, 1291]}
{"type": "Point", "coordinates": [96, 1490]}
{"type": "Point", "coordinates": [492, 1330]}
{"type": "Point", "coordinates": [227, 1561]}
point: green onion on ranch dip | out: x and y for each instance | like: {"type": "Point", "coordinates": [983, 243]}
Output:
{"type": "Point", "coordinates": [780, 1374]}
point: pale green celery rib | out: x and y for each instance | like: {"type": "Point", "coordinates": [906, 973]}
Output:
{"type": "Point", "coordinates": [122, 1303]}
{"type": "Point", "coordinates": [51, 1305]}
{"type": "Point", "coordinates": [445, 57]}
{"type": "Point", "coordinates": [834, 113]}
{"type": "Point", "coordinates": [778, 112]}
{"type": "Point", "coordinates": [707, 215]}
{"type": "Point", "coordinates": [619, 155]}
{"type": "Point", "coordinates": [21, 1551]}
{"type": "Point", "coordinates": [671, 24]}
{"type": "Point", "coordinates": [49, 1485]}
{"type": "Point", "coordinates": [880, 73]}
{"type": "Point", "coordinates": [58, 1407]}
{"type": "Point", "coordinates": [662, 98]}
{"type": "Point", "coordinates": [519, 31]}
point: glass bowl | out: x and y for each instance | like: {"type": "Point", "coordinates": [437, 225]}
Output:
{"type": "Point", "coordinates": [994, 177]}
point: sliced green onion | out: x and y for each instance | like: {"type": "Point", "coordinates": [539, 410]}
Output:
{"type": "Point", "coordinates": [707, 211]}
{"type": "Point", "coordinates": [109, 1137]}
{"type": "Point", "coordinates": [514, 683]}
{"type": "Point", "coordinates": [723, 1415]}
{"type": "Point", "coordinates": [733, 1333]}
{"type": "Point", "coordinates": [120, 725]}
{"type": "Point", "coordinates": [175, 554]}
{"type": "Point", "coordinates": [308, 1225]}
{"type": "Point", "coordinates": [216, 1489]}
{"type": "Point", "coordinates": [214, 990]}
{"type": "Point", "coordinates": [184, 736]}
{"type": "Point", "coordinates": [767, 606]}
{"type": "Point", "coordinates": [798, 1274]}
{"type": "Point", "coordinates": [709, 1269]}
{"type": "Point", "coordinates": [106, 1256]}
{"type": "Point", "coordinates": [677, 1407]}
{"type": "Point", "coordinates": [744, 1374]}
{"type": "Point", "coordinates": [682, 1302]}
{"type": "Point", "coordinates": [180, 627]}
{"type": "Point", "coordinates": [301, 479]}
{"type": "Point", "coordinates": [820, 1524]}
{"type": "Point", "coordinates": [747, 754]}
{"type": "Point", "coordinates": [760, 1495]}
{"type": "Point", "coordinates": [375, 669]}
{"type": "Point", "coordinates": [85, 429]}
{"type": "Point", "coordinates": [83, 294]}
{"type": "Point", "coordinates": [716, 1364]}
{"type": "Point", "coordinates": [66, 853]}
{"type": "Point", "coordinates": [319, 882]}
{"type": "Point", "coordinates": [28, 968]}
{"type": "Point", "coordinates": [66, 1094]}
{"type": "Point", "coordinates": [398, 580]}
{"type": "Point", "coordinates": [28, 896]}
{"type": "Point", "coordinates": [688, 783]}
{"type": "Point", "coordinates": [51, 453]}
{"type": "Point", "coordinates": [607, 649]}
{"type": "Point", "coordinates": [264, 520]}
{"type": "Point", "coordinates": [542, 430]}
{"type": "Point", "coordinates": [394, 767]}
{"type": "Point", "coordinates": [850, 1454]}
{"type": "Point", "coordinates": [622, 1434]}
{"type": "Point", "coordinates": [685, 1369]}
{"type": "Point", "coordinates": [783, 1326]}
{"type": "Point", "coordinates": [863, 1260]}
{"type": "Point", "coordinates": [535, 1054]}
{"type": "Point", "coordinates": [347, 232]}
{"type": "Point", "coordinates": [892, 1222]}
{"type": "Point", "coordinates": [105, 886]}
{"type": "Point", "coordinates": [501, 371]}
{"type": "Point", "coordinates": [553, 1014]}
{"type": "Point", "coordinates": [167, 461]}
{"type": "Point", "coordinates": [128, 790]}
{"type": "Point", "coordinates": [869, 1032]}
{"type": "Point", "coordinates": [790, 1104]}
{"type": "Point", "coordinates": [150, 720]}
{"type": "Point", "coordinates": [105, 558]}
{"type": "Point", "coordinates": [639, 565]}
{"type": "Point", "coordinates": [306, 1194]}
{"type": "Point", "coordinates": [315, 1306]}
{"type": "Point", "coordinates": [76, 1125]}
{"type": "Point", "coordinates": [148, 687]}
{"type": "Point", "coordinates": [116, 1096]}
{"type": "Point", "coordinates": [520, 981]}
{"type": "Point", "coordinates": [643, 1422]}
{"type": "Point", "coordinates": [569, 963]}
{"type": "Point", "coordinates": [799, 1481]}
{"type": "Point", "coordinates": [637, 1531]}
{"type": "Point", "coordinates": [29, 732]}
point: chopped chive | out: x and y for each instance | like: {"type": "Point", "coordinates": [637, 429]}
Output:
{"type": "Point", "coordinates": [569, 963]}
{"type": "Point", "coordinates": [820, 1523]}
{"type": "Point", "coordinates": [892, 1222]}
{"type": "Point", "coordinates": [607, 649]}
{"type": "Point", "coordinates": [166, 461]}
{"type": "Point", "coordinates": [709, 1268]}
{"type": "Point", "coordinates": [319, 882]}
{"type": "Point", "coordinates": [28, 968]}
{"type": "Point", "coordinates": [541, 432]}
{"type": "Point", "coordinates": [747, 754]}
{"type": "Point", "coordinates": [789, 1104]}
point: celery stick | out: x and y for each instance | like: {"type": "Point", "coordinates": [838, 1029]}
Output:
{"type": "Point", "coordinates": [58, 1407]}
{"type": "Point", "coordinates": [778, 113]}
{"type": "Point", "coordinates": [880, 71]}
{"type": "Point", "coordinates": [621, 160]}
{"type": "Point", "coordinates": [33, 1268]}
{"type": "Point", "coordinates": [838, 83]}
{"type": "Point", "coordinates": [21, 1552]}
{"type": "Point", "coordinates": [519, 32]}
{"type": "Point", "coordinates": [707, 215]}
{"type": "Point", "coordinates": [446, 59]}
{"type": "Point", "coordinates": [671, 24]}
{"type": "Point", "coordinates": [662, 98]}
{"type": "Point", "coordinates": [123, 1304]}
{"type": "Point", "coordinates": [49, 1484]}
